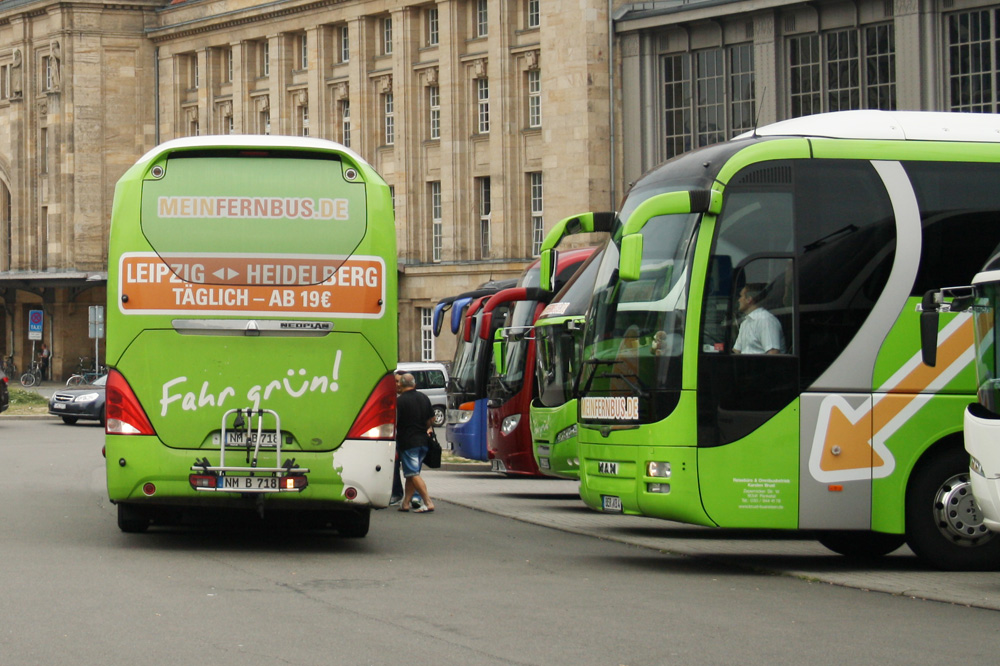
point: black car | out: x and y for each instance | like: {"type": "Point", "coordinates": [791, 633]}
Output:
{"type": "Point", "coordinates": [80, 402]}
{"type": "Point", "coordinates": [4, 393]}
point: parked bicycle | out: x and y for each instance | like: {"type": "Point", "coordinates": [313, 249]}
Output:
{"type": "Point", "coordinates": [33, 375]}
{"type": "Point", "coordinates": [9, 368]}
{"type": "Point", "coordinates": [86, 377]}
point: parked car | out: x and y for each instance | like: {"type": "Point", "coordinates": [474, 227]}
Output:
{"type": "Point", "coordinates": [4, 393]}
{"type": "Point", "coordinates": [432, 381]}
{"type": "Point", "coordinates": [80, 402]}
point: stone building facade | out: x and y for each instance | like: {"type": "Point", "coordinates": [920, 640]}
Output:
{"type": "Point", "coordinates": [491, 120]}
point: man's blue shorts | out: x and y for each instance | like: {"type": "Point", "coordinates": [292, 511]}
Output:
{"type": "Point", "coordinates": [411, 460]}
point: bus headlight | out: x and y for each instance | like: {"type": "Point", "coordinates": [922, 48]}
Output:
{"type": "Point", "coordinates": [658, 469]}
{"type": "Point", "coordinates": [566, 433]}
{"type": "Point", "coordinates": [510, 423]}
{"type": "Point", "coordinates": [459, 416]}
{"type": "Point", "coordinates": [661, 488]}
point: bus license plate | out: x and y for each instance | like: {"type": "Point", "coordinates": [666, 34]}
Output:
{"type": "Point", "coordinates": [238, 438]}
{"type": "Point", "coordinates": [498, 466]}
{"type": "Point", "coordinates": [611, 503]}
{"type": "Point", "coordinates": [248, 482]}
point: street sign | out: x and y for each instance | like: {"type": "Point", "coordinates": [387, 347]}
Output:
{"type": "Point", "coordinates": [35, 319]}
{"type": "Point", "coordinates": [96, 321]}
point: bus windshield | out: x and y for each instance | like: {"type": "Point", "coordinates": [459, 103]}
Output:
{"type": "Point", "coordinates": [985, 312]}
{"type": "Point", "coordinates": [634, 339]}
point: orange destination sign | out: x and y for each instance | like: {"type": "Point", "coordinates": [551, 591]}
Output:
{"type": "Point", "coordinates": [251, 284]}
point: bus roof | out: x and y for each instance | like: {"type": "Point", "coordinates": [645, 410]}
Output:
{"type": "Point", "coordinates": [889, 125]}
{"type": "Point", "coordinates": [249, 141]}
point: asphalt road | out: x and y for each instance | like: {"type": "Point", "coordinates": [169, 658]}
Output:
{"type": "Point", "coordinates": [460, 586]}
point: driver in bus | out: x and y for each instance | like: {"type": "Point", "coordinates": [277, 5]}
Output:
{"type": "Point", "coordinates": [760, 331]}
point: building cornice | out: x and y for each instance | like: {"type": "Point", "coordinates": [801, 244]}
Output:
{"type": "Point", "coordinates": [186, 27]}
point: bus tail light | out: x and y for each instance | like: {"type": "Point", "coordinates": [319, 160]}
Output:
{"type": "Point", "coordinates": [377, 419]}
{"type": "Point", "coordinates": [124, 414]}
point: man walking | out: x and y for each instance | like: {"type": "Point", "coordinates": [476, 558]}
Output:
{"type": "Point", "coordinates": [414, 416]}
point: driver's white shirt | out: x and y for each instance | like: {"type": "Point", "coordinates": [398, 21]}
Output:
{"type": "Point", "coordinates": [759, 333]}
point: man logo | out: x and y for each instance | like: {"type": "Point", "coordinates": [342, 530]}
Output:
{"type": "Point", "coordinates": [607, 468]}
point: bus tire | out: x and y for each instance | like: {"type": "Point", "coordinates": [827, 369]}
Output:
{"type": "Point", "coordinates": [132, 519]}
{"type": "Point", "coordinates": [354, 524]}
{"type": "Point", "coordinates": [861, 544]}
{"type": "Point", "coordinates": [944, 525]}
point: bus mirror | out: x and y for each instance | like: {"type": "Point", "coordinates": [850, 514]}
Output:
{"type": "Point", "coordinates": [630, 262]}
{"type": "Point", "coordinates": [499, 349]}
{"type": "Point", "coordinates": [929, 327]}
{"type": "Point", "coordinates": [549, 268]}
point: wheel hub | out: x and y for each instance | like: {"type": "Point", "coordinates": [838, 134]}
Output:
{"type": "Point", "coordinates": [958, 515]}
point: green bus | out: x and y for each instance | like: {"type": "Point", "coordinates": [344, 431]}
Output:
{"type": "Point", "coordinates": [251, 333]}
{"type": "Point", "coordinates": [752, 355]}
{"type": "Point", "coordinates": [558, 334]}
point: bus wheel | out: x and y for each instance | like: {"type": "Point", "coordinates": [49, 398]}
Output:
{"type": "Point", "coordinates": [861, 545]}
{"type": "Point", "coordinates": [132, 518]}
{"type": "Point", "coordinates": [944, 525]}
{"type": "Point", "coordinates": [353, 524]}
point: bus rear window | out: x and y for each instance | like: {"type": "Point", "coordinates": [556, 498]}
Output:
{"type": "Point", "coordinates": [309, 214]}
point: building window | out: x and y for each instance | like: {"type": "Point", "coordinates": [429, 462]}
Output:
{"type": "Point", "coordinates": [304, 119]}
{"type": "Point", "coordinates": [227, 122]}
{"type": "Point", "coordinates": [483, 194]}
{"type": "Point", "coordinates": [534, 98]}
{"type": "Point", "coordinates": [345, 44]}
{"type": "Point", "coordinates": [302, 48]}
{"type": "Point", "coordinates": [5, 82]}
{"type": "Point", "coordinates": [971, 68]}
{"type": "Point", "coordinates": [482, 24]}
{"type": "Point", "coordinates": [537, 226]}
{"type": "Point", "coordinates": [265, 59]}
{"type": "Point", "coordinates": [265, 122]}
{"type": "Point", "coordinates": [194, 129]}
{"type": "Point", "coordinates": [854, 69]}
{"type": "Point", "coordinates": [708, 96]}
{"type": "Point", "coordinates": [387, 35]}
{"type": "Point", "coordinates": [483, 105]}
{"type": "Point", "coordinates": [390, 121]}
{"type": "Point", "coordinates": [533, 15]}
{"type": "Point", "coordinates": [229, 65]}
{"type": "Point", "coordinates": [47, 73]}
{"type": "Point", "coordinates": [434, 109]}
{"type": "Point", "coordinates": [437, 226]}
{"type": "Point", "coordinates": [741, 89]}
{"type": "Point", "coordinates": [345, 123]}
{"type": "Point", "coordinates": [195, 73]}
{"type": "Point", "coordinates": [426, 334]}
{"type": "Point", "coordinates": [432, 26]}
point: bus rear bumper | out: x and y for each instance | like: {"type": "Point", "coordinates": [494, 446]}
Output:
{"type": "Point", "coordinates": [656, 481]}
{"type": "Point", "coordinates": [356, 474]}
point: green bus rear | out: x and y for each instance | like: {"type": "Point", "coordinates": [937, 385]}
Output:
{"type": "Point", "coordinates": [251, 332]}
{"type": "Point", "coordinates": [842, 221]}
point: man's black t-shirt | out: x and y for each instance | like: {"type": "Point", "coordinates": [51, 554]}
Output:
{"type": "Point", "coordinates": [413, 411]}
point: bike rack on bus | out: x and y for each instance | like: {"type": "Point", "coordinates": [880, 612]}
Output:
{"type": "Point", "coordinates": [243, 422]}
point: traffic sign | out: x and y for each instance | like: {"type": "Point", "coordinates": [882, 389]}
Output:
{"type": "Point", "coordinates": [35, 320]}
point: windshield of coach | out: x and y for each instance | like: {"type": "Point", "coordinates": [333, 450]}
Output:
{"type": "Point", "coordinates": [557, 355]}
{"type": "Point", "coordinates": [504, 386]}
{"type": "Point", "coordinates": [635, 337]}
{"type": "Point", "coordinates": [985, 318]}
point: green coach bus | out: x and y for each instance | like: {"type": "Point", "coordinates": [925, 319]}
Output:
{"type": "Point", "coordinates": [752, 349]}
{"type": "Point", "coordinates": [252, 333]}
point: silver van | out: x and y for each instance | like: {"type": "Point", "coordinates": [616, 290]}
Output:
{"type": "Point", "coordinates": [432, 381]}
